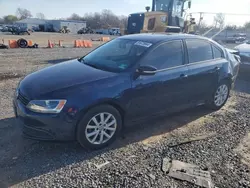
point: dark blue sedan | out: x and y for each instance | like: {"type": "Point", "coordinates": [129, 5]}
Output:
{"type": "Point", "coordinates": [126, 80]}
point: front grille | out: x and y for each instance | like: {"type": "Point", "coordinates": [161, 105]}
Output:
{"type": "Point", "coordinates": [22, 98]}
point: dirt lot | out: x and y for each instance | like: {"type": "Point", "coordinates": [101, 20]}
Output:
{"type": "Point", "coordinates": [135, 159]}
{"type": "Point", "coordinates": [41, 38]}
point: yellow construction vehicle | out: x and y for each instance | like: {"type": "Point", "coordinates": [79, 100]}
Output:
{"type": "Point", "coordinates": [166, 16]}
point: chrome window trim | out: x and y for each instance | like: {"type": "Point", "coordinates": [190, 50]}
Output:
{"type": "Point", "coordinates": [200, 62]}
{"type": "Point", "coordinates": [162, 70]}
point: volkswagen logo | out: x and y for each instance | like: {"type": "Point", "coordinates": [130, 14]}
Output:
{"type": "Point", "coordinates": [134, 24]}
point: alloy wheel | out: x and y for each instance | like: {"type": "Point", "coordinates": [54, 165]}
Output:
{"type": "Point", "coordinates": [221, 95]}
{"type": "Point", "coordinates": [101, 128]}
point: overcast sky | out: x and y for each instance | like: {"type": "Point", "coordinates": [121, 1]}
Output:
{"type": "Point", "coordinates": [54, 9]}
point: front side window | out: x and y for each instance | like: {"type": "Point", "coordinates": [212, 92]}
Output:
{"type": "Point", "coordinates": [162, 5]}
{"type": "Point", "coordinates": [116, 55]}
{"type": "Point", "coordinates": [198, 50]}
{"type": "Point", "coordinates": [165, 56]}
{"type": "Point", "coordinates": [177, 8]}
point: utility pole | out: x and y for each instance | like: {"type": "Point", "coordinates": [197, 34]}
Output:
{"type": "Point", "coordinates": [200, 19]}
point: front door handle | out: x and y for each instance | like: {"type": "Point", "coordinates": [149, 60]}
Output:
{"type": "Point", "coordinates": [183, 75]}
{"type": "Point", "coordinates": [216, 68]}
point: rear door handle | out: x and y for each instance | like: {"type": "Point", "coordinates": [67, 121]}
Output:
{"type": "Point", "coordinates": [183, 75]}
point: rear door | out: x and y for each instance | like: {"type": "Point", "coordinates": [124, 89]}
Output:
{"type": "Point", "coordinates": [205, 62]}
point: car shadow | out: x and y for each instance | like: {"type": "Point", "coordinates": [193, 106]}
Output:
{"type": "Point", "coordinates": [22, 159]}
{"type": "Point", "coordinates": [242, 83]}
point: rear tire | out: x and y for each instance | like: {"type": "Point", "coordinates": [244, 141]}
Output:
{"type": "Point", "coordinates": [220, 96]}
{"type": "Point", "coordinates": [99, 127]}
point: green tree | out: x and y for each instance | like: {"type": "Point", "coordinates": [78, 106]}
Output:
{"type": "Point", "coordinates": [40, 16]}
{"type": "Point", "coordinates": [10, 19]}
{"type": "Point", "coordinates": [123, 21]}
{"type": "Point", "coordinates": [247, 25]}
{"type": "Point", "coordinates": [231, 27]}
{"type": "Point", "coordinates": [105, 19]}
{"type": "Point", "coordinates": [23, 13]}
{"type": "Point", "coordinates": [1, 21]}
{"type": "Point", "coordinates": [75, 16]}
{"type": "Point", "coordinates": [219, 20]}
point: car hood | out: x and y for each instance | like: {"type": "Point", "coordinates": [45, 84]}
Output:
{"type": "Point", "coordinates": [60, 76]}
{"type": "Point", "coordinates": [243, 47]}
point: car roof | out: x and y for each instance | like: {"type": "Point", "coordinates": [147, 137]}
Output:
{"type": "Point", "coordinates": [156, 37]}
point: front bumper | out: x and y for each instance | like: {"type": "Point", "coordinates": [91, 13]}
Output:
{"type": "Point", "coordinates": [43, 126]}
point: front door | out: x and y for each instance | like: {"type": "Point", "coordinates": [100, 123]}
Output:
{"type": "Point", "coordinates": [167, 89]}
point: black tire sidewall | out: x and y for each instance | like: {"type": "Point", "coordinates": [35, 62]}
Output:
{"type": "Point", "coordinates": [80, 134]}
{"type": "Point", "coordinates": [22, 43]}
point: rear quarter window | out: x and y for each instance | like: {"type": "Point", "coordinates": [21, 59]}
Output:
{"type": "Point", "coordinates": [217, 52]}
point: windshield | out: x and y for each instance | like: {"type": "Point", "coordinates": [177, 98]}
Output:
{"type": "Point", "coordinates": [162, 5]}
{"type": "Point", "coordinates": [177, 9]}
{"type": "Point", "coordinates": [116, 55]}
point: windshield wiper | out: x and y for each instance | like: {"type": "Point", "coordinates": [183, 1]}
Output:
{"type": "Point", "coordinates": [95, 66]}
{"type": "Point", "coordinates": [91, 65]}
{"type": "Point", "coordinates": [81, 60]}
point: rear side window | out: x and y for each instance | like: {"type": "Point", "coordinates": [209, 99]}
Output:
{"type": "Point", "coordinates": [199, 50]}
{"type": "Point", "coordinates": [217, 52]}
{"type": "Point", "coordinates": [165, 56]}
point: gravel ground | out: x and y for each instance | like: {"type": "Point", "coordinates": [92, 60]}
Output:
{"type": "Point", "coordinates": [135, 159]}
{"type": "Point", "coordinates": [41, 38]}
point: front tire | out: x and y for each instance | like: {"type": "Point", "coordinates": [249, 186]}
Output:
{"type": "Point", "coordinates": [220, 96]}
{"type": "Point", "coordinates": [99, 127]}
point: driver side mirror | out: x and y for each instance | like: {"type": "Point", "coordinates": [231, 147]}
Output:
{"type": "Point", "coordinates": [146, 70]}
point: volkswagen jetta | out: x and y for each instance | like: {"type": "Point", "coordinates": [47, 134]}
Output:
{"type": "Point", "coordinates": [126, 80]}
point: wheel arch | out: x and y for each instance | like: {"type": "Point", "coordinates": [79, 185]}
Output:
{"type": "Point", "coordinates": [110, 102]}
{"type": "Point", "coordinates": [228, 78]}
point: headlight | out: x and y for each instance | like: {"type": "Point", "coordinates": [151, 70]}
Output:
{"type": "Point", "coordinates": [46, 106]}
{"type": "Point", "coordinates": [247, 54]}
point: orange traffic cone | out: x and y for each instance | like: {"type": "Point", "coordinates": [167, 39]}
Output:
{"type": "Point", "coordinates": [76, 44]}
{"type": "Point", "coordinates": [30, 43]}
{"type": "Point", "coordinates": [13, 44]}
{"type": "Point", "coordinates": [60, 43]}
{"type": "Point", "coordinates": [87, 44]}
{"type": "Point", "coordinates": [81, 43]}
{"type": "Point", "coordinates": [50, 44]}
